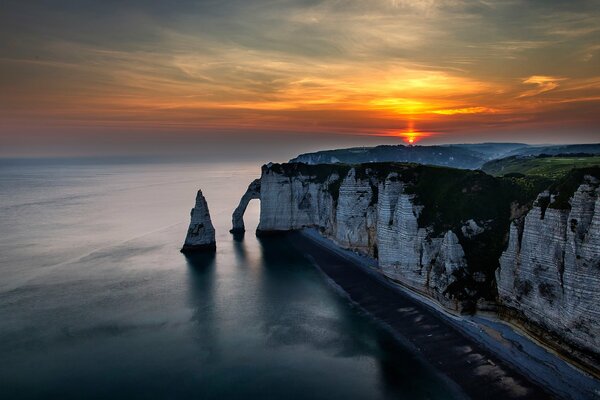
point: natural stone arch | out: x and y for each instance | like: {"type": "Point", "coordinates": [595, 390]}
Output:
{"type": "Point", "coordinates": [253, 192]}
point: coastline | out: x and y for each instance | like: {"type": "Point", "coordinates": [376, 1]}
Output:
{"type": "Point", "coordinates": [504, 361]}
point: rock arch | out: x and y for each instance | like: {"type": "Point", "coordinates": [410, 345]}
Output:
{"type": "Point", "coordinates": [237, 219]}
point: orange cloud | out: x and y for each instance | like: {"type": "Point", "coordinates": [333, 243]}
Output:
{"type": "Point", "coordinates": [466, 110]}
{"type": "Point", "coordinates": [543, 83]}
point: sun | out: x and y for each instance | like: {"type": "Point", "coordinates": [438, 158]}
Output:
{"type": "Point", "coordinates": [411, 137]}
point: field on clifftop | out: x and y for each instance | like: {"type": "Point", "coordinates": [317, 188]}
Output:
{"type": "Point", "coordinates": [549, 167]}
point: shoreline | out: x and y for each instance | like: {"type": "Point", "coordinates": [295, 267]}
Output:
{"type": "Point", "coordinates": [522, 365]}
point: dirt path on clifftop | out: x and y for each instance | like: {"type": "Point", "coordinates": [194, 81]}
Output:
{"type": "Point", "coordinates": [478, 372]}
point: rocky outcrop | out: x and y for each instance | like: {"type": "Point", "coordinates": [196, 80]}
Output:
{"type": "Point", "coordinates": [549, 274]}
{"type": "Point", "coordinates": [410, 254]}
{"type": "Point", "coordinates": [463, 238]}
{"type": "Point", "coordinates": [201, 233]}
{"type": "Point", "coordinates": [359, 210]}
{"type": "Point", "coordinates": [253, 192]}
{"type": "Point", "coordinates": [290, 202]}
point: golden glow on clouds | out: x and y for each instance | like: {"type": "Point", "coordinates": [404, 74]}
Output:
{"type": "Point", "coordinates": [543, 83]}
{"type": "Point", "coordinates": [386, 68]}
{"type": "Point", "coordinates": [466, 110]}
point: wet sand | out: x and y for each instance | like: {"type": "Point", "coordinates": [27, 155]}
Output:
{"type": "Point", "coordinates": [485, 358]}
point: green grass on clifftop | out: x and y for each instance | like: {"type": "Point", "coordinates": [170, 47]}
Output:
{"type": "Point", "coordinates": [550, 167]}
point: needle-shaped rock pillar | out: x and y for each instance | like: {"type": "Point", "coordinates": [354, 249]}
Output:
{"type": "Point", "coordinates": [201, 233]}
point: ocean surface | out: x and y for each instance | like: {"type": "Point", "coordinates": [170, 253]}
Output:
{"type": "Point", "coordinates": [96, 301]}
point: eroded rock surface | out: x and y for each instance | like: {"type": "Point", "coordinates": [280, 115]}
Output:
{"type": "Point", "coordinates": [201, 233]}
{"type": "Point", "coordinates": [550, 272]}
{"type": "Point", "coordinates": [373, 216]}
{"type": "Point", "coordinates": [253, 192]}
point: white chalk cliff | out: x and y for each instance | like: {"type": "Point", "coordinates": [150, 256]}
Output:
{"type": "Point", "coordinates": [368, 216]}
{"type": "Point", "coordinates": [237, 220]}
{"type": "Point", "coordinates": [548, 272]}
{"type": "Point", "coordinates": [201, 233]}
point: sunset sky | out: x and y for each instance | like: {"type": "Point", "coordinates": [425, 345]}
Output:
{"type": "Point", "coordinates": [78, 76]}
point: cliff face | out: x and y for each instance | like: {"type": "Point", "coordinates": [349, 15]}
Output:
{"type": "Point", "coordinates": [201, 233]}
{"type": "Point", "coordinates": [550, 272]}
{"type": "Point", "coordinates": [376, 214]}
{"type": "Point", "coordinates": [411, 254]}
{"type": "Point", "coordinates": [356, 214]}
{"type": "Point", "coordinates": [461, 237]}
{"type": "Point", "coordinates": [292, 202]}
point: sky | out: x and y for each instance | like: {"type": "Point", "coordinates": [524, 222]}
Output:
{"type": "Point", "coordinates": [241, 77]}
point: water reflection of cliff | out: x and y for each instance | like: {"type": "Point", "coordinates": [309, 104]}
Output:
{"type": "Point", "coordinates": [333, 326]}
{"type": "Point", "coordinates": [201, 298]}
{"type": "Point", "coordinates": [300, 316]}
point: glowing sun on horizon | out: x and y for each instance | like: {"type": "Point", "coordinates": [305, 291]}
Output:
{"type": "Point", "coordinates": [411, 137]}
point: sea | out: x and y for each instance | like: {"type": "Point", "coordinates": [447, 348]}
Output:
{"type": "Point", "coordinates": [97, 302]}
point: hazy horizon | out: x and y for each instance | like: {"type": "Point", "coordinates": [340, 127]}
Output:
{"type": "Point", "coordinates": [258, 151]}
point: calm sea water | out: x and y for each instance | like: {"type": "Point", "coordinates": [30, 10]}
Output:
{"type": "Point", "coordinates": [97, 302]}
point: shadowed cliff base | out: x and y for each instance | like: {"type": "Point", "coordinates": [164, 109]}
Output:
{"type": "Point", "coordinates": [478, 371]}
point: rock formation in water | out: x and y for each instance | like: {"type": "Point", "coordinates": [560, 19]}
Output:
{"type": "Point", "coordinates": [464, 238]}
{"type": "Point", "coordinates": [253, 192]}
{"type": "Point", "coordinates": [201, 233]}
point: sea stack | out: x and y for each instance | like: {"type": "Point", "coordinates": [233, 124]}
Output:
{"type": "Point", "coordinates": [201, 233]}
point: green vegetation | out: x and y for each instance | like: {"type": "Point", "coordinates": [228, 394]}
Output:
{"type": "Point", "coordinates": [459, 156]}
{"type": "Point", "coordinates": [552, 167]}
{"type": "Point", "coordinates": [565, 188]}
{"type": "Point", "coordinates": [451, 197]}
{"type": "Point", "coordinates": [317, 173]}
